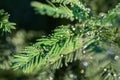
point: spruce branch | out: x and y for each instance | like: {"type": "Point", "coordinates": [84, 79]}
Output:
{"type": "Point", "coordinates": [76, 11]}
{"type": "Point", "coordinates": [62, 11]}
{"type": "Point", "coordinates": [79, 10]}
{"type": "Point", "coordinates": [5, 25]}
{"type": "Point", "coordinates": [50, 50]}
{"type": "Point", "coordinates": [44, 50]}
{"type": "Point", "coordinates": [71, 42]}
{"type": "Point", "coordinates": [113, 16]}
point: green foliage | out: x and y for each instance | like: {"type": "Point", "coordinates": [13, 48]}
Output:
{"type": "Point", "coordinates": [5, 25]}
{"type": "Point", "coordinates": [62, 12]}
{"type": "Point", "coordinates": [86, 40]}
{"type": "Point", "coordinates": [105, 65]}
{"type": "Point", "coordinates": [113, 16]}
{"type": "Point", "coordinates": [48, 50]}
{"type": "Point", "coordinates": [73, 10]}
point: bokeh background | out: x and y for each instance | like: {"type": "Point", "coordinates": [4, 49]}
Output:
{"type": "Point", "coordinates": [31, 26]}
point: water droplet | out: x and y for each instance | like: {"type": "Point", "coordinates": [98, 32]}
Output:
{"type": "Point", "coordinates": [85, 63]}
{"type": "Point", "coordinates": [82, 71]}
{"type": "Point", "coordinates": [50, 78]}
{"type": "Point", "coordinates": [71, 18]}
{"type": "Point", "coordinates": [67, 31]}
{"type": "Point", "coordinates": [73, 28]}
{"type": "Point", "coordinates": [79, 3]}
{"type": "Point", "coordinates": [76, 17]}
{"type": "Point", "coordinates": [101, 15]}
{"type": "Point", "coordinates": [109, 74]}
{"type": "Point", "coordinates": [91, 57]}
{"type": "Point", "coordinates": [71, 75]}
{"type": "Point", "coordinates": [105, 69]}
{"type": "Point", "coordinates": [84, 51]}
{"type": "Point", "coordinates": [116, 57]}
{"type": "Point", "coordinates": [114, 75]}
{"type": "Point", "coordinates": [61, 55]}
{"type": "Point", "coordinates": [88, 10]}
{"type": "Point", "coordinates": [61, 35]}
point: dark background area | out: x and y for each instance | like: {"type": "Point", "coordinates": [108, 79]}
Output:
{"type": "Point", "coordinates": [25, 17]}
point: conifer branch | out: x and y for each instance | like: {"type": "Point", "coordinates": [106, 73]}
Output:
{"type": "Point", "coordinates": [79, 10]}
{"type": "Point", "coordinates": [113, 17]}
{"type": "Point", "coordinates": [76, 11]}
{"type": "Point", "coordinates": [67, 42]}
{"type": "Point", "coordinates": [62, 11]}
{"type": "Point", "coordinates": [5, 25]}
{"type": "Point", "coordinates": [47, 51]}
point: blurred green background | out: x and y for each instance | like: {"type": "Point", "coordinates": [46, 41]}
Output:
{"type": "Point", "coordinates": [31, 26]}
